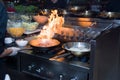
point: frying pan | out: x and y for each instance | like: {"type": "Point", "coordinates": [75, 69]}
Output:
{"type": "Point", "coordinates": [77, 48]}
{"type": "Point", "coordinates": [44, 44]}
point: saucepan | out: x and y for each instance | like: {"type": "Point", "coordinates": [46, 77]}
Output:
{"type": "Point", "coordinates": [77, 48]}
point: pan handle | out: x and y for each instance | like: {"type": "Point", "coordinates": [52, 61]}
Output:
{"type": "Point", "coordinates": [25, 49]}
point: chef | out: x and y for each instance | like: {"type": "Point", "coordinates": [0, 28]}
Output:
{"type": "Point", "coordinates": [3, 52]}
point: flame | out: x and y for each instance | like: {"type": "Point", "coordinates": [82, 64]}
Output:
{"type": "Point", "coordinates": [54, 25]}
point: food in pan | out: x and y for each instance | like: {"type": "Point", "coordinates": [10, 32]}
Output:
{"type": "Point", "coordinates": [44, 42]}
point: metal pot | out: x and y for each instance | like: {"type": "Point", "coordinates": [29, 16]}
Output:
{"type": "Point", "coordinates": [63, 12]}
{"type": "Point", "coordinates": [75, 9]}
{"type": "Point", "coordinates": [77, 48]}
{"type": "Point", "coordinates": [110, 15]}
{"type": "Point", "coordinates": [88, 13]}
{"type": "Point", "coordinates": [44, 44]}
{"type": "Point", "coordinates": [45, 12]}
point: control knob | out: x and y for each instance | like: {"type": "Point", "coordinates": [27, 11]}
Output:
{"type": "Point", "coordinates": [30, 67]}
{"type": "Point", "coordinates": [74, 78]}
{"type": "Point", "coordinates": [60, 77]}
{"type": "Point", "coordinates": [39, 69]}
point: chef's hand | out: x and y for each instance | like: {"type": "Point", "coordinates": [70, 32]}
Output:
{"type": "Point", "coordinates": [14, 51]}
{"type": "Point", "coordinates": [11, 51]}
{"type": "Point", "coordinates": [6, 52]}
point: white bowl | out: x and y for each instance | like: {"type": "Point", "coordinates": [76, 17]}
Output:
{"type": "Point", "coordinates": [8, 40]}
{"type": "Point", "coordinates": [21, 42]}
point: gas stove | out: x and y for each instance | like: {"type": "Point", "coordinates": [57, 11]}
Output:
{"type": "Point", "coordinates": [54, 64]}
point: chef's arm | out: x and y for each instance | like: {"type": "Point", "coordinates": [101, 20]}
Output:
{"type": "Point", "coordinates": [5, 53]}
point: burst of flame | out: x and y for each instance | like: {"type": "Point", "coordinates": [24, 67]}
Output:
{"type": "Point", "coordinates": [54, 25]}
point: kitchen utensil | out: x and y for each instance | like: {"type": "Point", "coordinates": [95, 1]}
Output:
{"type": "Point", "coordinates": [110, 15]}
{"type": "Point", "coordinates": [21, 43]}
{"type": "Point", "coordinates": [77, 48]}
{"type": "Point", "coordinates": [75, 9]}
{"type": "Point", "coordinates": [44, 44]}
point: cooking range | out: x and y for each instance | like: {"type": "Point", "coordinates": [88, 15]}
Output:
{"type": "Point", "coordinates": [55, 64]}
{"type": "Point", "coordinates": [59, 64]}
